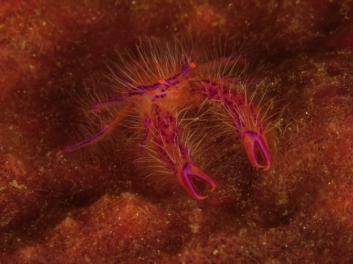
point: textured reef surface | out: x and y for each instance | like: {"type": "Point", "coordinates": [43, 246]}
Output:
{"type": "Point", "coordinates": [96, 206]}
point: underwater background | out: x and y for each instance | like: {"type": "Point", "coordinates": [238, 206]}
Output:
{"type": "Point", "coordinates": [96, 206]}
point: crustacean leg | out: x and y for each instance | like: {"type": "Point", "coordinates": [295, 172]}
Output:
{"type": "Point", "coordinates": [105, 129]}
{"type": "Point", "coordinates": [174, 154]}
{"type": "Point", "coordinates": [245, 118]}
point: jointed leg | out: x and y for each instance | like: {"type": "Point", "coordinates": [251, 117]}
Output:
{"type": "Point", "coordinates": [103, 131]}
{"type": "Point", "coordinates": [245, 118]}
{"type": "Point", "coordinates": [174, 154]}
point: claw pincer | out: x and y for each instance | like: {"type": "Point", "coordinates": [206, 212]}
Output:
{"type": "Point", "coordinates": [175, 155]}
{"type": "Point", "coordinates": [253, 141]}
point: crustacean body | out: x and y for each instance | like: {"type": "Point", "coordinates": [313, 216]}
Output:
{"type": "Point", "coordinates": [161, 82]}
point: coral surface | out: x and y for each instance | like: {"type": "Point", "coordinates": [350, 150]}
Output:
{"type": "Point", "coordinates": [95, 206]}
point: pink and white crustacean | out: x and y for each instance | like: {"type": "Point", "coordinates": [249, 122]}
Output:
{"type": "Point", "coordinates": [161, 80]}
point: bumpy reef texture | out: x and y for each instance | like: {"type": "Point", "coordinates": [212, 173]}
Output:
{"type": "Point", "coordinates": [96, 207]}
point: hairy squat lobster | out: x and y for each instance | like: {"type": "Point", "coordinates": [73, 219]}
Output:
{"type": "Point", "coordinates": [162, 81]}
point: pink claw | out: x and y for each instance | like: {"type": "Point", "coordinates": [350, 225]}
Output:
{"type": "Point", "coordinates": [252, 141]}
{"type": "Point", "coordinates": [191, 171]}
